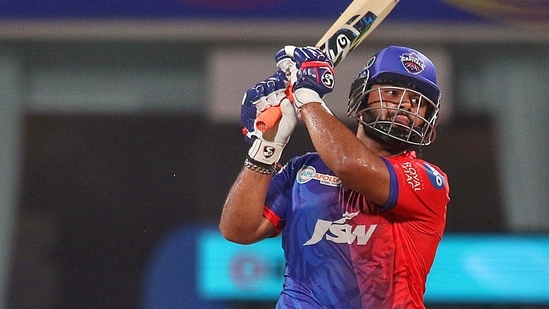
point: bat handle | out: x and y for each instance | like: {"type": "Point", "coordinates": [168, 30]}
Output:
{"type": "Point", "coordinates": [268, 118]}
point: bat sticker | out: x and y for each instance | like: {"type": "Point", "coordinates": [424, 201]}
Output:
{"type": "Point", "coordinates": [347, 38]}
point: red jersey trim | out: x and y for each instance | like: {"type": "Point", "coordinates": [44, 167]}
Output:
{"type": "Point", "coordinates": [274, 219]}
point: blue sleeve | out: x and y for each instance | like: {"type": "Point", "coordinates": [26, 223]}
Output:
{"type": "Point", "coordinates": [393, 187]}
{"type": "Point", "coordinates": [279, 195]}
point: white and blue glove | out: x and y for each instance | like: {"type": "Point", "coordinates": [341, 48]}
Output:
{"type": "Point", "coordinates": [314, 74]}
{"type": "Point", "coordinates": [267, 146]}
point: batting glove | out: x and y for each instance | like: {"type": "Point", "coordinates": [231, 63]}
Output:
{"type": "Point", "coordinates": [315, 73]}
{"type": "Point", "coordinates": [267, 146]}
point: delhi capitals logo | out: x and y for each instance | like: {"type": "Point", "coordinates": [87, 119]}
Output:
{"type": "Point", "coordinates": [412, 63]}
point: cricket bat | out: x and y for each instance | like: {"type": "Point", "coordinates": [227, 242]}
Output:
{"type": "Point", "coordinates": [355, 24]}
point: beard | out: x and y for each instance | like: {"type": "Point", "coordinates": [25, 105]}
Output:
{"type": "Point", "coordinates": [389, 132]}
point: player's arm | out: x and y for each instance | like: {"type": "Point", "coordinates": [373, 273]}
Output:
{"type": "Point", "coordinates": [356, 166]}
{"type": "Point", "coordinates": [242, 218]}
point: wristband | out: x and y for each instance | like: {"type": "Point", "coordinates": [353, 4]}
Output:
{"type": "Point", "coordinates": [262, 168]}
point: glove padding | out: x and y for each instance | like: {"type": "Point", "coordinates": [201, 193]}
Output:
{"type": "Point", "coordinates": [267, 146]}
{"type": "Point", "coordinates": [263, 95]}
{"type": "Point", "coordinates": [315, 73]}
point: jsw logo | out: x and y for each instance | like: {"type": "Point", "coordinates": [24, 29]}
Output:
{"type": "Point", "coordinates": [340, 232]}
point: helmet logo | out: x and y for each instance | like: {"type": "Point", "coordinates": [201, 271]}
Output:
{"type": "Point", "coordinates": [412, 63]}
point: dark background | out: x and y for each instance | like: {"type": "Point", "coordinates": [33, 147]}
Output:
{"type": "Point", "coordinates": [99, 192]}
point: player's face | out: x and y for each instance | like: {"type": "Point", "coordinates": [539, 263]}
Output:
{"type": "Point", "coordinates": [400, 105]}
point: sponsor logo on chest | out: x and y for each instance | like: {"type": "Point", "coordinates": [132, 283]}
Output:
{"type": "Point", "coordinates": [341, 232]}
{"type": "Point", "coordinates": [308, 173]}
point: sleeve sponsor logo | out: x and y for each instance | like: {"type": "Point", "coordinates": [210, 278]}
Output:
{"type": "Point", "coordinates": [434, 176]}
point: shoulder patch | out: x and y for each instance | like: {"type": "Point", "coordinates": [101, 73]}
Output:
{"type": "Point", "coordinates": [434, 176]}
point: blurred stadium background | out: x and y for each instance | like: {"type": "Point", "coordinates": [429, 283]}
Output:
{"type": "Point", "coordinates": [120, 140]}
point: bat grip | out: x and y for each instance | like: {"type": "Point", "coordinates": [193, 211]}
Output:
{"type": "Point", "coordinates": [268, 118]}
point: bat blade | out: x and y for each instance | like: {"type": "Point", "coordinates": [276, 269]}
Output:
{"type": "Point", "coordinates": [356, 23]}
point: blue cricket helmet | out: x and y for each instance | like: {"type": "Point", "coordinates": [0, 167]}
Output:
{"type": "Point", "coordinates": [398, 66]}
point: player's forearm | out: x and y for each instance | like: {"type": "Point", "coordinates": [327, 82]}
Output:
{"type": "Point", "coordinates": [345, 154]}
{"type": "Point", "coordinates": [242, 218]}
